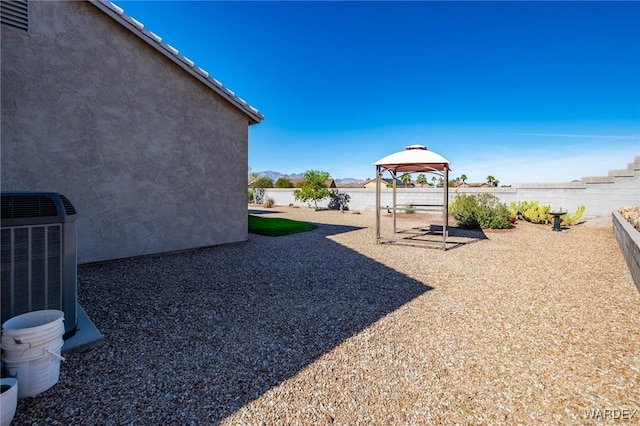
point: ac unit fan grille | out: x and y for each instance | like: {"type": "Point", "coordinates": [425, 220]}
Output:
{"type": "Point", "coordinates": [17, 207]}
{"type": "Point", "coordinates": [31, 270]}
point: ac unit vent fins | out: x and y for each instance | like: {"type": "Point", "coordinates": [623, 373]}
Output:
{"type": "Point", "coordinates": [68, 207]}
{"type": "Point", "coordinates": [16, 207]}
{"type": "Point", "coordinates": [32, 269]}
{"type": "Point", "coordinates": [15, 14]}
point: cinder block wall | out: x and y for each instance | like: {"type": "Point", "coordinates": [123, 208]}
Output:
{"type": "Point", "coordinates": [600, 195]}
{"type": "Point", "coordinates": [629, 241]}
{"type": "Point", "coordinates": [153, 160]}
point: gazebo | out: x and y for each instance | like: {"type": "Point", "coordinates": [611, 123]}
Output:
{"type": "Point", "coordinates": [414, 158]}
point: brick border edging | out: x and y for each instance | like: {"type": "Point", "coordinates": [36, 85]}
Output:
{"type": "Point", "coordinates": [629, 242]}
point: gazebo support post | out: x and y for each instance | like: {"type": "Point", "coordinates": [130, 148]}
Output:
{"type": "Point", "coordinates": [445, 210]}
{"type": "Point", "coordinates": [393, 176]}
{"type": "Point", "coordinates": [378, 202]}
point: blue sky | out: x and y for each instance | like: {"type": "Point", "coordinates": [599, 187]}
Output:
{"type": "Point", "coordinates": [524, 91]}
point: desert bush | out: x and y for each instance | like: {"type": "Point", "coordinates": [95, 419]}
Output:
{"type": "Point", "coordinates": [480, 211]}
{"type": "Point", "coordinates": [258, 195]}
{"type": "Point", "coordinates": [268, 202]}
{"type": "Point", "coordinates": [338, 200]}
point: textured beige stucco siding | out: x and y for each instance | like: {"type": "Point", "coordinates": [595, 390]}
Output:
{"type": "Point", "coordinates": [152, 159]}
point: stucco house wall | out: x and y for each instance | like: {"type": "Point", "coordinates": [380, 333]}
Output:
{"type": "Point", "coordinates": [135, 142]}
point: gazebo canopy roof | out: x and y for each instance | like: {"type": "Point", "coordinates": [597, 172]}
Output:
{"type": "Point", "coordinates": [414, 158]}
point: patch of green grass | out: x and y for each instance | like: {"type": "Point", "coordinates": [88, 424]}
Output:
{"type": "Point", "coordinates": [275, 227]}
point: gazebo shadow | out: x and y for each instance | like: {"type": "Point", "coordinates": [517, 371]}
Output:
{"type": "Point", "coordinates": [431, 236]}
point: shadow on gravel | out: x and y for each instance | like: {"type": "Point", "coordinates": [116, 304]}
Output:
{"type": "Point", "coordinates": [431, 236]}
{"type": "Point", "coordinates": [194, 336]}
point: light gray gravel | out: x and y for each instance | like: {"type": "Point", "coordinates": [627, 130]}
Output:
{"type": "Point", "coordinates": [527, 326]}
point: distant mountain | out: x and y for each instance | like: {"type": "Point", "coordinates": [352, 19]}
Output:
{"type": "Point", "coordinates": [274, 176]}
{"type": "Point", "coordinates": [348, 180]}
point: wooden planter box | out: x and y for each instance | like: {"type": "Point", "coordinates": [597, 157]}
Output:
{"type": "Point", "coordinates": [629, 241]}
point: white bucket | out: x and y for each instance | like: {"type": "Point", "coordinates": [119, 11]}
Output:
{"type": "Point", "coordinates": [31, 345]}
{"type": "Point", "coordinates": [8, 401]}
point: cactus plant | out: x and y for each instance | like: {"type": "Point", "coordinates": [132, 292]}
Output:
{"type": "Point", "coordinates": [567, 220]}
{"type": "Point", "coordinates": [537, 214]}
{"type": "Point", "coordinates": [532, 211]}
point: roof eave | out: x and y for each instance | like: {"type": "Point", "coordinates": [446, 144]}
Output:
{"type": "Point", "coordinates": [174, 55]}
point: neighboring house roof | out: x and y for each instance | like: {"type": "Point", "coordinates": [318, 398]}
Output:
{"type": "Point", "coordinates": [350, 185]}
{"type": "Point", "coordinates": [174, 55]}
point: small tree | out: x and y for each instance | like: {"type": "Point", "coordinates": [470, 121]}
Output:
{"type": "Point", "coordinates": [283, 182]}
{"type": "Point", "coordinates": [314, 187]}
{"type": "Point", "coordinates": [262, 182]}
{"type": "Point", "coordinates": [463, 178]}
{"type": "Point", "coordinates": [405, 178]}
{"type": "Point", "coordinates": [422, 180]}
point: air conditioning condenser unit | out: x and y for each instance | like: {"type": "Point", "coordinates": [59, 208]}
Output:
{"type": "Point", "coordinates": [38, 259]}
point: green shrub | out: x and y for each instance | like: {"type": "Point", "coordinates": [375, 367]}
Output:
{"type": "Point", "coordinates": [463, 209]}
{"type": "Point", "coordinates": [480, 211]}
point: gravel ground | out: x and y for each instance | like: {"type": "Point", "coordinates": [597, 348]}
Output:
{"type": "Point", "coordinates": [525, 326]}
